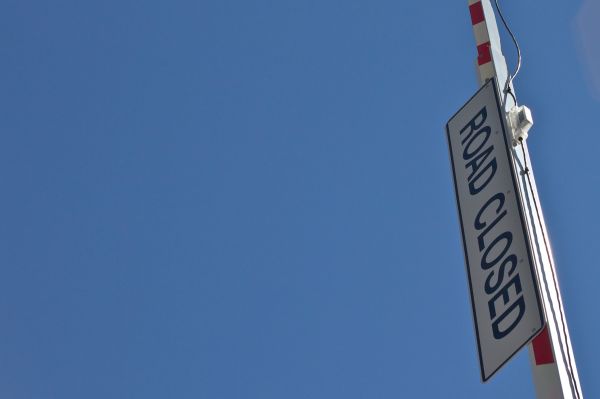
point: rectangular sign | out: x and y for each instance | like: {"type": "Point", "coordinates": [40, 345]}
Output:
{"type": "Point", "coordinates": [507, 309]}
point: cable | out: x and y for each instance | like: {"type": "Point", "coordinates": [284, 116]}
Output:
{"type": "Point", "coordinates": [554, 279]}
{"type": "Point", "coordinates": [509, 91]}
{"type": "Point", "coordinates": [510, 77]}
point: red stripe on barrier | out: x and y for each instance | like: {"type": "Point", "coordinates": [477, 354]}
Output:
{"type": "Point", "coordinates": [476, 10]}
{"type": "Point", "coordinates": [484, 54]}
{"type": "Point", "coordinates": [542, 348]}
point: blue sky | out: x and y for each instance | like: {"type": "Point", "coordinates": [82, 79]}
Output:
{"type": "Point", "coordinates": [253, 199]}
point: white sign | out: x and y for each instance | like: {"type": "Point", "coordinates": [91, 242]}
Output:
{"type": "Point", "coordinates": [507, 309]}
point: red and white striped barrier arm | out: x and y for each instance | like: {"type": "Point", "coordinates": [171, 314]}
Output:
{"type": "Point", "coordinates": [485, 65]}
{"type": "Point", "coordinates": [552, 362]}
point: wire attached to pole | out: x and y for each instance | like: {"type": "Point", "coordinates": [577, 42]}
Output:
{"type": "Point", "coordinates": [571, 374]}
{"type": "Point", "coordinates": [509, 79]}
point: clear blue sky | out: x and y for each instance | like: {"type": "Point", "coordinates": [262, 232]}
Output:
{"type": "Point", "coordinates": [253, 199]}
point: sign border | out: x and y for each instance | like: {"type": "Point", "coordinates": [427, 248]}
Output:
{"type": "Point", "coordinates": [527, 237]}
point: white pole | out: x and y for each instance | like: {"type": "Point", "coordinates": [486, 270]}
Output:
{"type": "Point", "coordinates": [552, 361]}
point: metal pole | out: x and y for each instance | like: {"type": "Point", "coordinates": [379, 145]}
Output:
{"type": "Point", "coordinates": [551, 354]}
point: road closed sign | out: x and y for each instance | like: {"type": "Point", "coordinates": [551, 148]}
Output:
{"type": "Point", "coordinates": [507, 309]}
